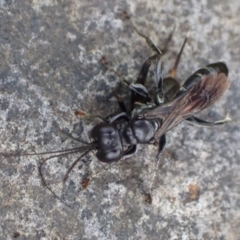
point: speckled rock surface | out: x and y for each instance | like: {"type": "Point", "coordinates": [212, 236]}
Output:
{"type": "Point", "coordinates": [49, 68]}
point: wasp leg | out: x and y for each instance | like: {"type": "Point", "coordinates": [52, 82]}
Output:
{"type": "Point", "coordinates": [152, 45]}
{"type": "Point", "coordinates": [121, 103]}
{"type": "Point", "coordinates": [149, 41]}
{"type": "Point", "coordinates": [137, 87]}
{"type": "Point", "coordinates": [141, 79]}
{"type": "Point", "coordinates": [168, 40]}
{"type": "Point", "coordinates": [117, 117]}
{"type": "Point", "coordinates": [120, 76]}
{"type": "Point", "coordinates": [140, 94]}
{"type": "Point", "coordinates": [173, 72]}
{"type": "Point", "coordinates": [161, 144]}
{"type": "Point", "coordinates": [158, 77]}
{"type": "Point", "coordinates": [200, 122]}
{"type": "Point", "coordinates": [129, 152]}
{"type": "Point", "coordinates": [167, 88]}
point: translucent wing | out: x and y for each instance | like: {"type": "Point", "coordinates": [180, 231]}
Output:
{"type": "Point", "coordinates": [200, 96]}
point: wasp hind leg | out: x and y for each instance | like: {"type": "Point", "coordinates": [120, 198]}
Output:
{"type": "Point", "coordinates": [149, 41]}
{"type": "Point", "coordinates": [152, 45]}
{"type": "Point", "coordinates": [167, 88]}
{"type": "Point", "coordinates": [139, 93]}
{"type": "Point", "coordinates": [144, 98]}
{"type": "Point", "coordinates": [203, 123]}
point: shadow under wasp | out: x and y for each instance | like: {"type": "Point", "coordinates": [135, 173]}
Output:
{"type": "Point", "coordinates": [149, 117]}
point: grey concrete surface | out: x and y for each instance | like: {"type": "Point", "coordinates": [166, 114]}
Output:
{"type": "Point", "coordinates": [49, 68]}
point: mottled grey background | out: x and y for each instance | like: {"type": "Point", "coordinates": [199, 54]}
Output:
{"type": "Point", "coordinates": [49, 68]}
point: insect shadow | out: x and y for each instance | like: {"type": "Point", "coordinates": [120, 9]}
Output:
{"type": "Point", "coordinates": [149, 116]}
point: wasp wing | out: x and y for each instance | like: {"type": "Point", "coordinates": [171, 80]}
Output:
{"type": "Point", "coordinates": [200, 96]}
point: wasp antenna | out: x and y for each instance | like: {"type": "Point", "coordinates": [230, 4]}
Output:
{"type": "Point", "coordinates": [69, 135]}
{"type": "Point", "coordinates": [74, 150]}
{"type": "Point", "coordinates": [44, 181]}
{"type": "Point", "coordinates": [65, 151]}
{"type": "Point", "coordinates": [74, 164]}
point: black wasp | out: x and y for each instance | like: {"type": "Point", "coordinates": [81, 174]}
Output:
{"type": "Point", "coordinates": [148, 119]}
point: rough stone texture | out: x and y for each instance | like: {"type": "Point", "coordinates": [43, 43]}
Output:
{"type": "Point", "coordinates": [49, 67]}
